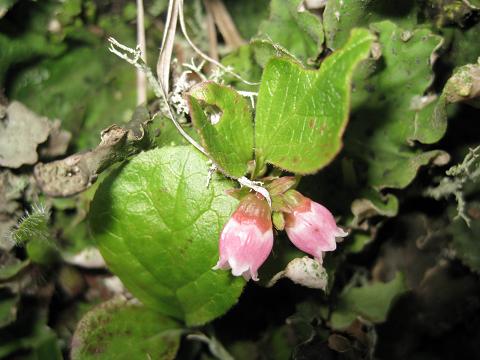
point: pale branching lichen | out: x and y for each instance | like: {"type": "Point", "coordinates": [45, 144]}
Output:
{"type": "Point", "coordinates": [455, 180]}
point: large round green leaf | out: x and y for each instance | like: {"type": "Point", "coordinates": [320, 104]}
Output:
{"type": "Point", "coordinates": [119, 329]}
{"type": "Point", "coordinates": [157, 225]}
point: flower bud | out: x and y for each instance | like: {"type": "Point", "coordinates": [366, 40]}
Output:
{"type": "Point", "coordinates": [310, 226]}
{"type": "Point", "coordinates": [247, 238]}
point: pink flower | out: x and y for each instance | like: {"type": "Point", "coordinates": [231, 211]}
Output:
{"type": "Point", "coordinates": [247, 238]}
{"type": "Point", "coordinates": [310, 226]}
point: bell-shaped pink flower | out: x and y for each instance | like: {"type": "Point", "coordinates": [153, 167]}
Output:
{"type": "Point", "coordinates": [247, 238]}
{"type": "Point", "coordinates": [310, 226]}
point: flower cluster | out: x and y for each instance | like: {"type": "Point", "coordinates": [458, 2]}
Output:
{"type": "Point", "coordinates": [247, 238]}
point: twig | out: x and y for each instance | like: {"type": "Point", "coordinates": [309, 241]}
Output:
{"type": "Point", "coordinates": [165, 56]}
{"type": "Point", "coordinates": [211, 32]}
{"type": "Point", "coordinates": [141, 77]}
{"type": "Point", "coordinates": [225, 24]}
{"type": "Point", "coordinates": [78, 172]}
{"type": "Point", "coordinates": [196, 69]}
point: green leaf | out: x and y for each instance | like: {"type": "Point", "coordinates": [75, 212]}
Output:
{"type": "Point", "coordinates": [301, 114]}
{"type": "Point", "coordinates": [85, 95]}
{"type": "Point", "coordinates": [341, 16]}
{"type": "Point", "coordinates": [372, 302]}
{"type": "Point", "coordinates": [265, 49]}
{"type": "Point", "coordinates": [460, 87]}
{"type": "Point", "coordinates": [374, 203]}
{"type": "Point", "coordinates": [163, 132]}
{"type": "Point", "coordinates": [119, 329]}
{"type": "Point", "coordinates": [157, 225]}
{"type": "Point", "coordinates": [32, 41]}
{"type": "Point", "coordinates": [224, 121]}
{"type": "Point", "coordinates": [388, 97]}
{"type": "Point", "coordinates": [299, 31]}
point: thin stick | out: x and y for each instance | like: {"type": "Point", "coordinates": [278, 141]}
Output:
{"type": "Point", "coordinates": [225, 24]}
{"type": "Point", "coordinates": [211, 31]}
{"type": "Point", "coordinates": [141, 77]}
{"type": "Point", "coordinates": [165, 56]}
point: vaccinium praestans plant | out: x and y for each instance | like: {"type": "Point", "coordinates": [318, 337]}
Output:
{"type": "Point", "coordinates": [167, 218]}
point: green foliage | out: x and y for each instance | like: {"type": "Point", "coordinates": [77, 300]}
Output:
{"type": "Point", "coordinates": [157, 223]}
{"type": "Point", "coordinates": [386, 104]}
{"type": "Point", "coordinates": [341, 16]}
{"type": "Point", "coordinates": [223, 119]}
{"type": "Point", "coordinates": [301, 114]}
{"type": "Point", "coordinates": [300, 32]}
{"type": "Point", "coordinates": [371, 302]}
{"type": "Point", "coordinates": [462, 86]}
{"type": "Point", "coordinates": [372, 203]}
{"type": "Point", "coordinates": [164, 132]}
{"type": "Point", "coordinates": [123, 330]}
{"type": "Point", "coordinates": [157, 226]}
{"type": "Point", "coordinates": [79, 91]}
{"type": "Point", "coordinates": [28, 38]}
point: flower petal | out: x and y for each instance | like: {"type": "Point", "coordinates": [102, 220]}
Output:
{"type": "Point", "coordinates": [311, 227]}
